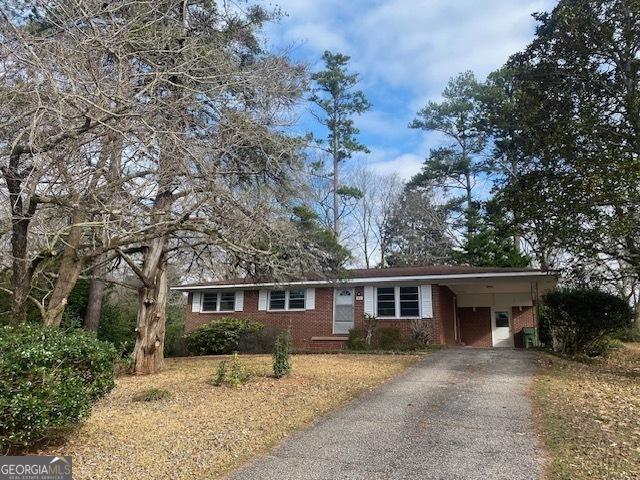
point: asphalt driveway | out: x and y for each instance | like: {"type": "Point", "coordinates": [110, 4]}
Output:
{"type": "Point", "coordinates": [458, 414]}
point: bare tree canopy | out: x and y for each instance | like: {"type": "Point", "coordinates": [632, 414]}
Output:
{"type": "Point", "coordinates": [135, 127]}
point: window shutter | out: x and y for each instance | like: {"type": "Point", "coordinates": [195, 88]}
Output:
{"type": "Point", "coordinates": [196, 302]}
{"type": "Point", "coordinates": [369, 301]}
{"type": "Point", "coordinates": [239, 301]}
{"type": "Point", "coordinates": [427, 301]}
{"type": "Point", "coordinates": [262, 300]}
{"type": "Point", "coordinates": [310, 301]}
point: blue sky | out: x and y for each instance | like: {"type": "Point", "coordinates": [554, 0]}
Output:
{"type": "Point", "coordinates": [405, 52]}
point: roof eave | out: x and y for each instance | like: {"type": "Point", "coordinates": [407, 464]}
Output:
{"type": "Point", "coordinates": [369, 280]}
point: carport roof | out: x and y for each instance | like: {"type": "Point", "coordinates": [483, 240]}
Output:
{"type": "Point", "coordinates": [377, 275]}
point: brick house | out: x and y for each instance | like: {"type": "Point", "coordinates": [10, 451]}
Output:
{"type": "Point", "coordinates": [474, 306]}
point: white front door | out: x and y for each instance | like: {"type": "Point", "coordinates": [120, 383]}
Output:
{"type": "Point", "coordinates": [501, 328]}
{"type": "Point", "coordinates": [343, 311]}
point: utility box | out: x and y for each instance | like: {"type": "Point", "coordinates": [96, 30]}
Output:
{"type": "Point", "coordinates": [530, 337]}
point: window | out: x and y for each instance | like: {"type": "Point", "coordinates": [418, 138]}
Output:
{"type": "Point", "coordinates": [218, 301]}
{"type": "Point", "coordinates": [502, 319]}
{"type": "Point", "coordinates": [287, 299]}
{"type": "Point", "coordinates": [398, 302]}
{"type": "Point", "coordinates": [409, 306]}
{"type": "Point", "coordinates": [227, 301]}
{"type": "Point", "coordinates": [277, 300]}
{"type": "Point", "coordinates": [386, 302]}
{"type": "Point", "coordinates": [209, 302]}
{"type": "Point", "coordinates": [296, 299]}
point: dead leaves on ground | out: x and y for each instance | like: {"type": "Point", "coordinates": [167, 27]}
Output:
{"type": "Point", "coordinates": [203, 431]}
{"type": "Point", "coordinates": [591, 415]}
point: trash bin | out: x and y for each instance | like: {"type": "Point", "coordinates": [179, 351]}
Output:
{"type": "Point", "coordinates": [530, 337]}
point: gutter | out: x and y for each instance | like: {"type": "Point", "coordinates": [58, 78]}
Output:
{"type": "Point", "coordinates": [369, 280]}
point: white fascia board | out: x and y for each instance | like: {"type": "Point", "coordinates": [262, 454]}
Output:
{"type": "Point", "coordinates": [362, 281]}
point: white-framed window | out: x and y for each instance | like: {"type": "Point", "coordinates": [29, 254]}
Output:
{"type": "Point", "coordinates": [386, 298]}
{"type": "Point", "coordinates": [218, 302]}
{"type": "Point", "coordinates": [287, 299]}
{"type": "Point", "coordinates": [398, 302]}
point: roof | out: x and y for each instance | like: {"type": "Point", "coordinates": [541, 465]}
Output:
{"type": "Point", "coordinates": [376, 275]}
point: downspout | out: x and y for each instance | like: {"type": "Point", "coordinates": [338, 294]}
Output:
{"type": "Point", "coordinates": [456, 326]}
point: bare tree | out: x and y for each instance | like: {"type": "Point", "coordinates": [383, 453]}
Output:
{"type": "Point", "coordinates": [370, 216]}
{"type": "Point", "coordinates": [133, 125]}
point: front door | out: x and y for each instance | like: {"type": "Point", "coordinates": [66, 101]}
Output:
{"type": "Point", "coordinates": [343, 315]}
{"type": "Point", "coordinates": [501, 328]}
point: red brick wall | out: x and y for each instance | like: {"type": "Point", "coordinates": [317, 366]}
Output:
{"type": "Point", "coordinates": [475, 327]}
{"type": "Point", "coordinates": [443, 314]}
{"type": "Point", "coordinates": [521, 317]}
{"type": "Point", "coordinates": [319, 322]}
{"type": "Point", "coordinates": [304, 324]}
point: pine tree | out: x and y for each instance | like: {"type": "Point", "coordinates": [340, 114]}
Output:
{"type": "Point", "coordinates": [334, 94]}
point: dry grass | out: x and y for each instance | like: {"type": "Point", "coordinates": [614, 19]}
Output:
{"type": "Point", "coordinates": [591, 416]}
{"type": "Point", "coordinates": [203, 431]}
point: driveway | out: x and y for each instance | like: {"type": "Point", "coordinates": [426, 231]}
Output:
{"type": "Point", "coordinates": [458, 414]}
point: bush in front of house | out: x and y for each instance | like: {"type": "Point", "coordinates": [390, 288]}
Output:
{"type": "Point", "coordinates": [421, 332]}
{"type": "Point", "coordinates": [282, 356]}
{"type": "Point", "coordinates": [388, 338]}
{"type": "Point", "coordinates": [260, 341]}
{"type": "Point", "coordinates": [49, 380]}
{"type": "Point", "coordinates": [576, 321]}
{"type": "Point", "coordinates": [356, 340]}
{"type": "Point", "coordinates": [233, 374]}
{"type": "Point", "coordinates": [221, 374]}
{"type": "Point", "coordinates": [220, 337]}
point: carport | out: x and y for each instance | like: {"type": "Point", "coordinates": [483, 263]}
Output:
{"type": "Point", "coordinates": [491, 312]}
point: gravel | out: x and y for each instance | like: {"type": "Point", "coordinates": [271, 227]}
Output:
{"type": "Point", "coordinates": [459, 414]}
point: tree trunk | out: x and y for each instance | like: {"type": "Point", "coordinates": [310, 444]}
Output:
{"type": "Point", "coordinates": [68, 275]}
{"type": "Point", "coordinates": [469, 199]}
{"type": "Point", "coordinates": [336, 197]}
{"type": "Point", "coordinates": [20, 280]}
{"type": "Point", "coordinates": [68, 272]}
{"type": "Point", "coordinates": [148, 353]}
{"type": "Point", "coordinates": [517, 239]}
{"type": "Point", "coordinates": [21, 216]}
{"type": "Point", "coordinates": [517, 235]}
{"type": "Point", "coordinates": [365, 246]}
{"type": "Point", "coordinates": [94, 306]}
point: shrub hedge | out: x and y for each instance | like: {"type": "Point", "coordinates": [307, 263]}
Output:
{"type": "Point", "coordinates": [628, 334]}
{"type": "Point", "coordinates": [388, 338]}
{"type": "Point", "coordinates": [260, 341]}
{"type": "Point", "coordinates": [356, 340]}
{"type": "Point", "coordinates": [575, 321]}
{"type": "Point", "coordinates": [49, 379]}
{"type": "Point", "coordinates": [220, 337]}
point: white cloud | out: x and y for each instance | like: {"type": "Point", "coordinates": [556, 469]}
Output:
{"type": "Point", "coordinates": [391, 125]}
{"type": "Point", "coordinates": [419, 45]}
{"type": "Point", "coordinates": [317, 36]}
{"type": "Point", "coordinates": [405, 52]}
{"type": "Point", "coordinates": [405, 166]}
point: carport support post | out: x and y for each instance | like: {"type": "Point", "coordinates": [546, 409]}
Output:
{"type": "Point", "coordinates": [537, 303]}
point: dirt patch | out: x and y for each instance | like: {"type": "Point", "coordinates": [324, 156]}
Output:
{"type": "Point", "coordinates": [591, 415]}
{"type": "Point", "coordinates": [203, 431]}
